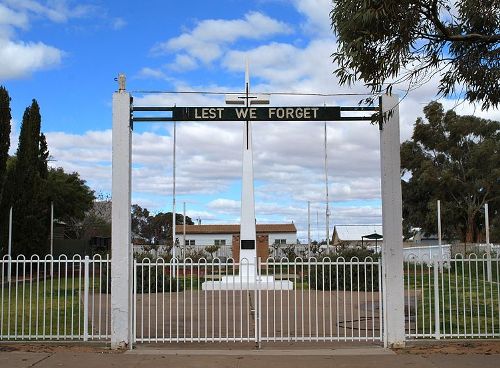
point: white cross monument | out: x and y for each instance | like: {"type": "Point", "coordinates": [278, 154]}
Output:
{"type": "Point", "coordinates": [249, 277]}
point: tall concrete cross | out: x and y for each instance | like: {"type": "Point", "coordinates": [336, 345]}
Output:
{"type": "Point", "coordinates": [248, 236]}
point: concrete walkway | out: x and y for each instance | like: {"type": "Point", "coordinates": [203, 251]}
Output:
{"type": "Point", "coordinates": [159, 356]}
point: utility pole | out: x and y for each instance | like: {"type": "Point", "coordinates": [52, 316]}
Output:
{"type": "Point", "coordinates": [308, 228]}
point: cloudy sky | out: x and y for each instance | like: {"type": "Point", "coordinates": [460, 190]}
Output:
{"type": "Point", "coordinates": [66, 54]}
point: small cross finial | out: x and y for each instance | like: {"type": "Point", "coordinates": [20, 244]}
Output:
{"type": "Point", "coordinates": [121, 82]}
{"type": "Point", "coordinates": [247, 73]}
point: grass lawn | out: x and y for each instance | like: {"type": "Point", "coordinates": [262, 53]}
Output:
{"type": "Point", "coordinates": [468, 303]}
{"type": "Point", "coordinates": [49, 307]}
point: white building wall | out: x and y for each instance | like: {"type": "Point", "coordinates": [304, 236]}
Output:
{"type": "Point", "coordinates": [291, 238]}
{"type": "Point", "coordinates": [208, 239]}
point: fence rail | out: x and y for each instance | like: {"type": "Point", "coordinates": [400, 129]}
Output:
{"type": "Point", "coordinates": [455, 298]}
{"type": "Point", "coordinates": [55, 299]}
{"type": "Point", "coordinates": [331, 300]}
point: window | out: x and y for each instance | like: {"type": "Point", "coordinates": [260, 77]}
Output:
{"type": "Point", "coordinates": [220, 242]}
{"type": "Point", "coordinates": [279, 241]}
{"type": "Point", "coordinates": [190, 242]}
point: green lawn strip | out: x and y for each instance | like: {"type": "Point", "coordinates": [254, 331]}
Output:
{"type": "Point", "coordinates": [468, 304]}
{"type": "Point", "coordinates": [49, 307]}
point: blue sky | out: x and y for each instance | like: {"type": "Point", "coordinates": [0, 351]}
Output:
{"type": "Point", "coordinates": [66, 54]}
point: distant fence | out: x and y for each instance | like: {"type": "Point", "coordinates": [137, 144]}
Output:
{"type": "Point", "coordinates": [224, 252]}
{"type": "Point", "coordinates": [427, 253]}
{"type": "Point", "coordinates": [55, 299]}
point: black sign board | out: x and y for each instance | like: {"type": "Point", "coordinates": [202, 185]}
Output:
{"type": "Point", "coordinates": [286, 113]}
{"type": "Point", "coordinates": [248, 244]}
{"type": "Point", "coordinates": [256, 113]}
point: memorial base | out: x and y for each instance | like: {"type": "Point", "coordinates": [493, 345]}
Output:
{"type": "Point", "coordinates": [237, 282]}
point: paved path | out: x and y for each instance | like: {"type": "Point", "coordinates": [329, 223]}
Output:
{"type": "Point", "coordinates": [352, 357]}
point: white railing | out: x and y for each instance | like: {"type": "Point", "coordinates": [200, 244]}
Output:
{"type": "Point", "coordinates": [55, 299]}
{"type": "Point", "coordinates": [456, 298]}
{"type": "Point", "coordinates": [331, 300]}
{"type": "Point", "coordinates": [427, 253]}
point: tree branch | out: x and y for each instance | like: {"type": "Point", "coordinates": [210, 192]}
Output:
{"type": "Point", "coordinates": [447, 35]}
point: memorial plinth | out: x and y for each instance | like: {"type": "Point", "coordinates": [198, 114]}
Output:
{"type": "Point", "coordinates": [238, 282]}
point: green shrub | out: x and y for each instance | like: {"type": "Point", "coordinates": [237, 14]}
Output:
{"type": "Point", "coordinates": [343, 275]}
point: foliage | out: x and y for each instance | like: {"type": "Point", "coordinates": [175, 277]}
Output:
{"type": "Point", "coordinates": [212, 249]}
{"type": "Point", "coordinates": [5, 118]}
{"type": "Point", "coordinates": [71, 196]}
{"type": "Point", "coordinates": [195, 254]}
{"type": "Point", "coordinates": [384, 42]}
{"type": "Point", "coordinates": [316, 250]}
{"type": "Point", "coordinates": [455, 159]}
{"type": "Point", "coordinates": [345, 276]}
{"type": "Point", "coordinates": [155, 229]}
{"type": "Point", "coordinates": [27, 188]}
{"type": "Point", "coordinates": [290, 252]}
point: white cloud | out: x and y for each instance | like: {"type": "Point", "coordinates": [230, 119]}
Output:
{"type": "Point", "coordinates": [183, 63]}
{"type": "Point", "coordinates": [224, 205]}
{"type": "Point", "coordinates": [19, 59]}
{"type": "Point", "coordinates": [9, 17]}
{"type": "Point", "coordinates": [208, 39]}
{"type": "Point", "coordinates": [118, 23]}
{"type": "Point", "coordinates": [151, 73]}
{"type": "Point", "coordinates": [317, 16]}
{"type": "Point", "coordinates": [57, 11]}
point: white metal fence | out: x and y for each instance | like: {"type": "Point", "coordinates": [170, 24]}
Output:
{"type": "Point", "coordinates": [456, 298]}
{"type": "Point", "coordinates": [331, 300]}
{"type": "Point", "coordinates": [55, 299]}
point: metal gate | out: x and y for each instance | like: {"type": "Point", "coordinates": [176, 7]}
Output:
{"type": "Point", "coordinates": [331, 300]}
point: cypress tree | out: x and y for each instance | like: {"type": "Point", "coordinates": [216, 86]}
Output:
{"type": "Point", "coordinates": [29, 198]}
{"type": "Point", "coordinates": [5, 118]}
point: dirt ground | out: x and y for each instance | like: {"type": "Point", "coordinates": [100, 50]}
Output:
{"type": "Point", "coordinates": [58, 347]}
{"type": "Point", "coordinates": [417, 348]}
{"type": "Point", "coordinates": [451, 347]}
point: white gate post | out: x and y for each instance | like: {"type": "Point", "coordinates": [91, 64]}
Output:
{"type": "Point", "coordinates": [86, 281]}
{"type": "Point", "coordinates": [392, 250]}
{"type": "Point", "coordinates": [121, 248]}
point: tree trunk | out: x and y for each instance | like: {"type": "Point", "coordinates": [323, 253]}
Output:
{"type": "Point", "coordinates": [469, 234]}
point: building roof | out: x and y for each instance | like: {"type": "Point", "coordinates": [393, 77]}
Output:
{"type": "Point", "coordinates": [355, 232]}
{"type": "Point", "coordinates": [235, 229]}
